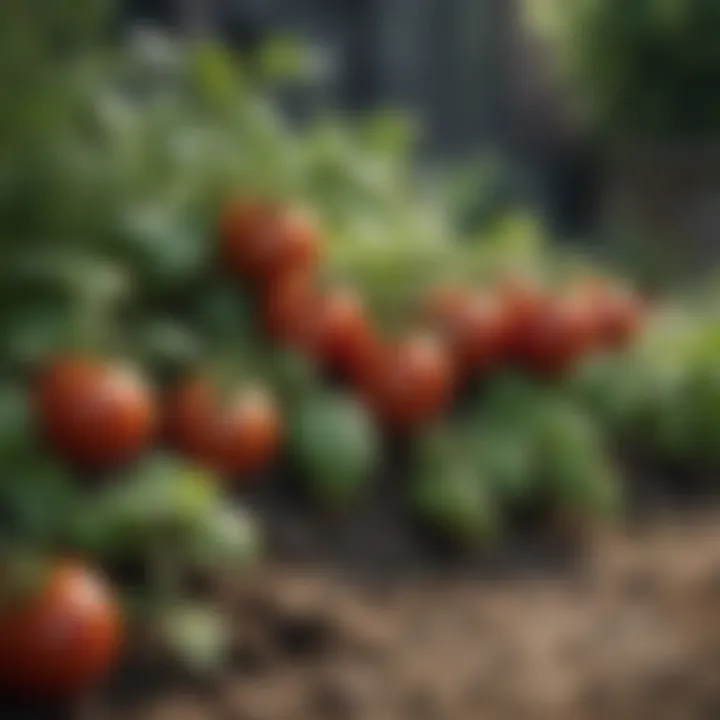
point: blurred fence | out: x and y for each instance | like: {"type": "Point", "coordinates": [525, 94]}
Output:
{"type": "Point", "coordinates": [460, 65]}
{"type": "Point", "coordinates": [463, 68]}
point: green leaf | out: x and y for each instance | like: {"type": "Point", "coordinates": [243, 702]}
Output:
{"type": "Point", "coordinates": [161, 500]}
{"type": "Point", "coordinates": [214, 75]}
{"type": "Point", "coordinates": [282, 58]}
{"type": "Point", "coordinates": [229, 540]}
{"type": "Point", "coordinates": [505, 455]}
{"type": "Point", "coordinates": [456, 503]}
{"type": "Point", "coordinates": [39, 501]}
{"type": "Point", "coordinates": [335, 445]}
{"type": "Point", "coordinates": [169, 346]}
{"type": "Point", "coordinates": [197, 636]}
{"type": "Point", "coordinates": [17, 428]}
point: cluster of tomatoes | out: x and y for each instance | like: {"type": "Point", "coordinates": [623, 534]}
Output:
{"type": "Point", "coordinates": [98, 414]}
{"type": "Point", "coordinates": [459, 333]}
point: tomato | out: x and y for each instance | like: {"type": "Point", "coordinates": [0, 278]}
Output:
{"type": "Point", "coordinates": [619, 312]}
{"type": "Point", "coordinates": [475, 328]}
{"type": "Point", "coordinates": [411, 382]}
{"type": "Point", "coordinates": [62, 640]}
{"type": "Point", "coordinates": [562, 335]}
{"type": "Point", "coordinates": [345, 339]}
{"type": "Point", "coordinates": [525, 304]}
{"type": "Point", "coordinates": [287, 310]}
{"type": "Point", "coordinates": [443, 302]}
{"type": "Point", "coordinates": [94, 413]}
{"type": "Point", "coordinates": [622, 316]}
{"type": "Point", "coordinates": [232, 436]}
{"type": "Point", "coordinates": [262, 241]}
{"type": "Point", "coordinates": [330, 326]}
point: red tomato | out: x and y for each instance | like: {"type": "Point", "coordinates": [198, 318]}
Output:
{"type": "Point", "coordinates": [288, 312]}
{"type": "Point", "coordinates": [525, 305]}
{"type": "Point", "coordinates": [231, 436]}
{"type": "Point", "coordinates": [94, 413]}
{"type": "Point", "coordinates": [410, 383]}
{"type": "Point", "coordinates": [344, 336]}
{"type": "Point", "coordinates": [330, 326]}
{"type": "Point", "coordinates": [63, 640]}
{"type": "Point", "coordinates": [562, 335]}
{"type": "Point", "coordinates": [619, 312]}
{"type": "Point", "coordinates": [262, 241]}
{"type": "Point", "coordinates": [442, 303]}
{"type": "Point", "coordinates": [622, 315]}
{"type": "Point", "coordinates": [475, 327]}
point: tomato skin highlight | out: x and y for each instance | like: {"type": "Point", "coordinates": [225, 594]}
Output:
{"type": "Point", "coordinates": [232, 436]}
{"type": "Point", "coordinates": [63, 640]}
{"type": "Point", "coordinates": [410, 383]}
{"type": "Point", "coordinates": [95, 414]}
{"type": "Point", "coordinates": [262, 240]}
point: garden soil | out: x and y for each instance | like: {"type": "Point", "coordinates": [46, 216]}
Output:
{"type": "Point", "coordinates": [627, 632]}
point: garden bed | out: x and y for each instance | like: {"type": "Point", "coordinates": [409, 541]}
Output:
{"type": "Point", "coordinates": [630, 633]}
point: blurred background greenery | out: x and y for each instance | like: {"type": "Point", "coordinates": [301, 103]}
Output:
{"type": "Point", "coordinates": [510, 125]}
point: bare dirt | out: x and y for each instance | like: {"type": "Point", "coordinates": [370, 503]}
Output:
{"type": "Point", "coordinates": [630, 632]}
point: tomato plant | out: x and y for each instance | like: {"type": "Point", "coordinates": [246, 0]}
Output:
{"type": "Point", "coordinates": [94, 413]}
{"type": "Point", "coordinates": [64, 638]}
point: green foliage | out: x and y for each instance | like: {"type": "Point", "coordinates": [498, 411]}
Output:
{"type": "Point", "coordinates": [665, 393]}
{"type": "Point", "coordinates": [446, 492]}
{"type": "Point", "coordinates": [573, 462]}
{"type": "Point", "coordinates": [168, 511]}
{"type": "Point", "coordinates": [162, 502]}
{"type": "Point", "coordinates": [334, 444]}
{"type": "Point", "coordinates": [647, 67]}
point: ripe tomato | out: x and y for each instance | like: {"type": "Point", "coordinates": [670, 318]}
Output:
{"type": "Point", "coordinates": [410, 383]}
{"type": "Point", "coordinates": [621, 317]}
{"type": "Point", "coordinates": [525, 304]}
{"type": "Point", "coordinates": [287, 309]}
{"type": "Point", "coordinates": [231, 436]}
{"type": "Point", "coordinates": [344, 336]}
{"type": "Point", "coordinates": [475, 328]}
{"type": "Point", "coordinates": [262, 241]}
{"type": "Point", "coordinates": [94, 413]}
{"type": "Point", "coordinates": [619, 312]}
{"type": "Point", "coordinates": [62, 640]}
{"type": "Point", "coordinates": [563, 334]}
{"type": "Point", "coordinates": [330, 326]}
{"type": "Point", "coordinates": [442, 303]}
